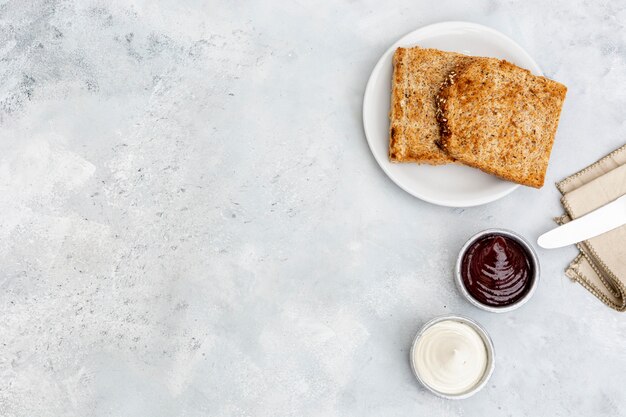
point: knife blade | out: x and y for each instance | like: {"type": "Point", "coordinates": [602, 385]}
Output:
{"type": "Point", "coordinates": [595, 223]}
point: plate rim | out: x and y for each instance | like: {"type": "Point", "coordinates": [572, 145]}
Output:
{"type": "Point", "coordinates": [367, 96]}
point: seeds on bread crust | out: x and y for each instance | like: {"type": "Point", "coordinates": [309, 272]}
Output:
{"type": "Point", "coordinates": [442, 99]}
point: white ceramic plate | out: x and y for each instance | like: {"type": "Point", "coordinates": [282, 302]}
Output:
{"type": "Point", "coordinates": [446, 185]}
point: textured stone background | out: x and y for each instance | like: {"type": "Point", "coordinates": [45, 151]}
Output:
{"type": "Point", "coordinates": [192, 223]}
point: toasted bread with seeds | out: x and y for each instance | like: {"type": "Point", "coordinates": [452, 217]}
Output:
{"type": "Point", "coordinates": [417, 77]}
{"type": "Point", "coordinates": [500, 118]}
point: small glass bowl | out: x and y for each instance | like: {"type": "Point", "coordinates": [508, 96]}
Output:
{"type": "Point", "coordinates": [533, 259]}
{"type": "Point", "coordinates": [491, 356]}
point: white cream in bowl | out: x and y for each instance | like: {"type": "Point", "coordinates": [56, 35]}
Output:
{"type": "Point", "coordinates": [451, 357]}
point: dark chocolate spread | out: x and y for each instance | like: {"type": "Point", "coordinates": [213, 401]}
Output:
{"type": "Point", "coordinates": [496, 270]}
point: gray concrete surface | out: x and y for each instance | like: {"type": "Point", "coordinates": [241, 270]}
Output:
{"type": "Point", "coordinates": [193, 225]}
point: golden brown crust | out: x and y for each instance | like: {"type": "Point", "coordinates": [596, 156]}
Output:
{"type": "Point", "coordinates": [501, 119]}
{"type": "Point", "coordinates": [413, 130]}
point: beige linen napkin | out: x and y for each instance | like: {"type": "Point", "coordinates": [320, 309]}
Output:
{"type": "Point", "coordinates": [601, 265]}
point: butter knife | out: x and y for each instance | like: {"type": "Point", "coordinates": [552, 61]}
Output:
{"type": "Point", "coordinates": [599, 221]}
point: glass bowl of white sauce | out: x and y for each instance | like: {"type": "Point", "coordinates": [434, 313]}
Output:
{"type": "Point", "coordinates": [453, 357]}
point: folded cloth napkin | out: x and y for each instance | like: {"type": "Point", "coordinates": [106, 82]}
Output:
{"type": "Point", "coordinates": [601, 265]}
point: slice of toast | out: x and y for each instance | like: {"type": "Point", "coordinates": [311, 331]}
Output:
{"type": "Point", "coordinates": [417, 77]}
{"type": "Point", "coordinates": [500, 118]}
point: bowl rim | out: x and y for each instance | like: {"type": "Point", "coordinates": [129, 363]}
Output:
{"type": "Point", "coordinates": [533, 257]}
{"type": "Point", "coordinates": [491, 355]}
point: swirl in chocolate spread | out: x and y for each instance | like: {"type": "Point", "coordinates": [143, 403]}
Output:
{"type": "Point", "coordinates": [496, 270]}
